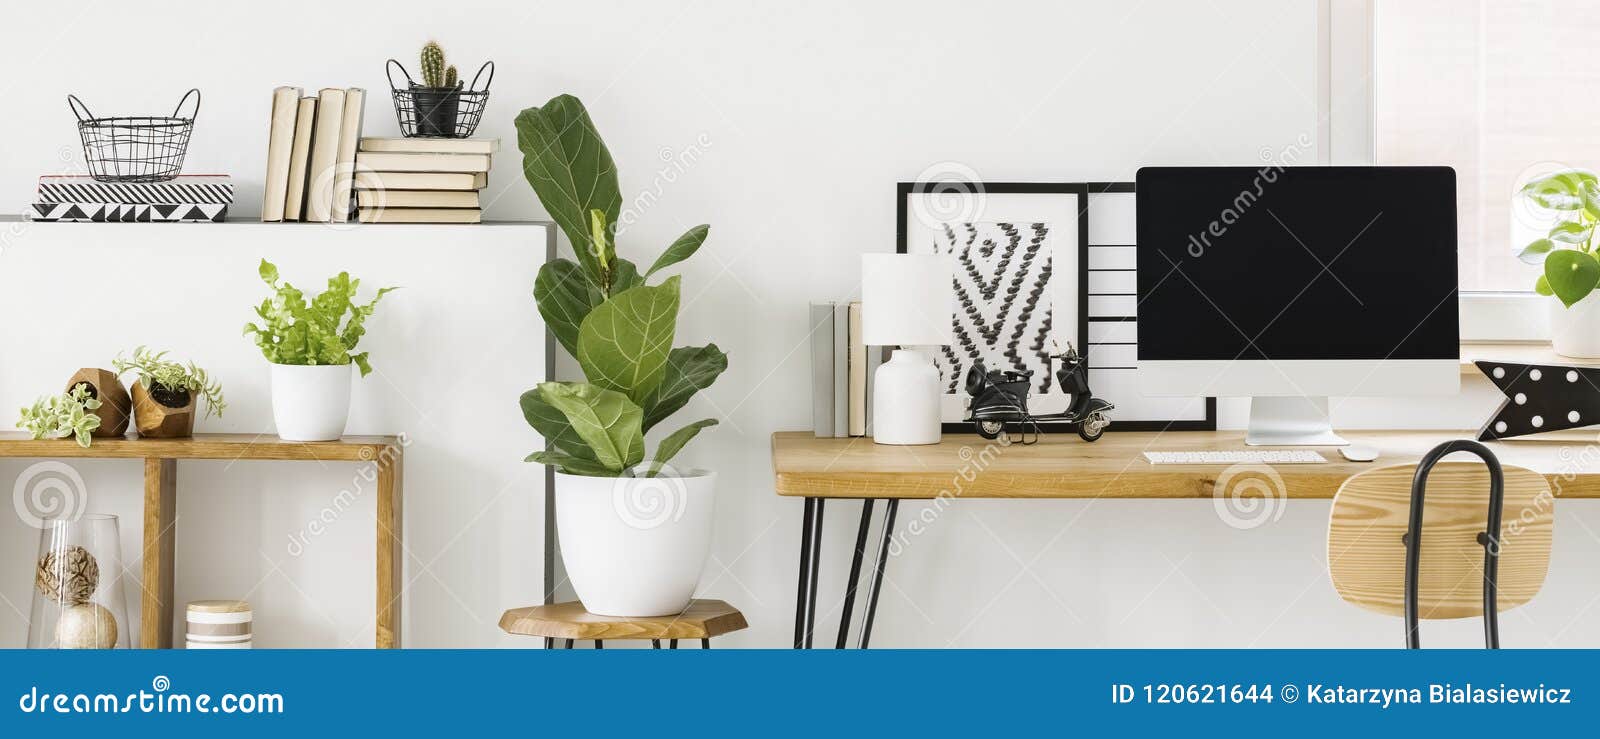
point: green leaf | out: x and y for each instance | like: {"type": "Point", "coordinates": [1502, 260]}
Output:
{"type": "Point", "coordinates": [682, 249]}
{"type": "Point", "coordinates": [1591, 200]}
{"type": "Point", "coordinates": [1535, 252]}
{"type": "Point", "coordinates": [1571, 274]}
{"type": "Point", "coordinates": [1561, 190]}
{"type": "Point", "coordinates": [624, 276]}
{"type": "Point", "coordinates": [1542, 286]}
{"type": "Point", "coordinates": [1571, 233]}
{"type": "Point", "coordinates": [552, 424]}
{"type": "Point", "coordinates": [571, 465]}
{"type": "Point", "coordinates": [690, 369]}
{"type": "Point", "coordinates": [674, 443]}
{"type": "Point", "coordinates": [570, 170]}
{"type": "Point", "coordinates": [624, 342]}
{"type": "Point", "coordinates": [268, 272]}
{"type": "Point", "coordinates": [565, 294]}
{"type": "Point", "coordinates": [607, 421]}
{"type": "Point", "coordinates": [600, 235]}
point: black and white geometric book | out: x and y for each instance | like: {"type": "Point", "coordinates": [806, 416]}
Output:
{"type": "Point", "coordinates": [182, 190]}
{"type": "Point", "coordinates": [128, 212]}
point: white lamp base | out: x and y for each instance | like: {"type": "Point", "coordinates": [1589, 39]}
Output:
{"type": "Point", "coordinates": [905, 403]}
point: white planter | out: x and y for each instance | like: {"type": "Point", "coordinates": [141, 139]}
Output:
{"type": "Point", "coordinates": [635, 547]}
{"type": "Point", "coordinates": [311, 403]}
{"type": "Point", "coordinates": [1575, 331]}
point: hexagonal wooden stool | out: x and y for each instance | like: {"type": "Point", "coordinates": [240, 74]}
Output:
{"type": "Point", "coordinates": [702, 620]}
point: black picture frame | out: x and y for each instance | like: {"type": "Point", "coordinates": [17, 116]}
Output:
{"type": "Point", "coordinates": [903, 192]}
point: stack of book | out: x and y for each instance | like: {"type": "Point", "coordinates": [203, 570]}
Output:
{"type": "Point", "coordinates": [841, 371]}
{"type": "Point", "coordinates": [81, 198]}
{"type": "Point", "coordinates": [311, 154]}
{"type": "Point", "coordinates": [420, 180]}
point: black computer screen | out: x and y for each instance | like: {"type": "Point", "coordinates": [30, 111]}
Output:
{"type": "Point", "coordinates": [1292, 263]}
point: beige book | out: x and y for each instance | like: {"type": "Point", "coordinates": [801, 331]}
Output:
{"type": "Point", "coordinates": [398, 161]}
{"type": "Point", "coordinates": [417, 198]}
{"type": "Point", "coordinates": [280, 142]}
{"type": "Point", "coordinates": [355, 104]}
{"type": "Point", "coordinates": [294, 201]}
{"type": "Point", "coordinates": [431, 146]}
{"type": "Point", "coordinates": [367, 180]}
{"type": "Point", "coordinates": [858, 374]}
{"type": "Point", "coordinates": [421, 215]}
{"type": "Point", "coordinates": [324, 152]}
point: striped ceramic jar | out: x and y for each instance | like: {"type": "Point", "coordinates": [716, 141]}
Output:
{"type": "Point", "coordinates": [219, 624]}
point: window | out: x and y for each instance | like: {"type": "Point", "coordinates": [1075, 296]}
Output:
{"type": "Point", "coordinates": [1500, 89]}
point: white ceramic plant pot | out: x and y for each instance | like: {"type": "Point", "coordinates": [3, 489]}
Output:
{"type": "Point", "coordinates": [1575, 331]}
{"type": "Point", "coordinates": [311, 403]}
{"type": "Point", "coordinates": [633, 546]}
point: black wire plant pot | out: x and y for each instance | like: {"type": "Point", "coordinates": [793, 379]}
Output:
{"type": "Point", "coordinates": [438, 112]}
{"type": "Point", "coordinates": [135, 148]}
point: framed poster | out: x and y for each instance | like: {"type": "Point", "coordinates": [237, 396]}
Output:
{"type": "Point", "coordinates": [1038, 266]}
{"type": "Point", "coordinates": [1019, 251]}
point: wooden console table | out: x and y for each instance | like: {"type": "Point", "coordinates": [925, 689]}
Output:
{"type": "Point", "coordinates": [161, 497]}
{"type": "Point", "coordinates": [1062, 466]}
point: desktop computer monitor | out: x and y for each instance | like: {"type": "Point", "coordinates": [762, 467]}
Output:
{"type": "Point", "coordinates": [1291, 284]}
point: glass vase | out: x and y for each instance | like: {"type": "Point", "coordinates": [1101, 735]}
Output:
{"type": "Point", "coordinates": [78, 598]}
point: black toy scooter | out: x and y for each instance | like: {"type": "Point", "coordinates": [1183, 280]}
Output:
{"type": "Point", "coordinates": [1000, 397]}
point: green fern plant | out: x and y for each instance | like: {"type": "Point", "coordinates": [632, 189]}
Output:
{"type": "Point", "coordinates": [60, 416]}
{"type": "Point", "coordinates": [155, 372]}
{"type": "Point", "coordinates": [433, 67]}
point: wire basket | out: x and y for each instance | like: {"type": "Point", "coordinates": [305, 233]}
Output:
{"type": "Point", "coordinates": [135, 148]}
{"type": "Point", "coordinates": [438, 112]}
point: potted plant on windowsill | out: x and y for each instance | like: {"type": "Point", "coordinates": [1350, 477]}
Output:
{"type": "Point", "coordinates": [1568, 255]}
{"type": "Point", "coordinates": [166, 393]}
{"type": "Point", "coordinates": [311, 345]}
{"type": "Point", "coordinates": [634, 531]}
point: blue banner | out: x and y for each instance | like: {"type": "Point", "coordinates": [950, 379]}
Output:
{"type": "Point", "coordinates": [692, 691]}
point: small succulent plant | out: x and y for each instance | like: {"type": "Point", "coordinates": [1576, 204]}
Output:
{"type": "Point", "coordinates": [433, 67]}
{"type": "Point", "coordinates": [60, 416]}
{"type": "Point", "coordinates": [451, 78]}
{"type": "Point", "coordinates": [155, 372]}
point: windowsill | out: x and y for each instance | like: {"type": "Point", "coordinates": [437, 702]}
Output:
{"type": "Point", "coordinates": [1520, 352]}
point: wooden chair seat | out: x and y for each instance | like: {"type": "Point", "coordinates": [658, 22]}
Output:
{"type": "Point", "coordinates": [703, 619]}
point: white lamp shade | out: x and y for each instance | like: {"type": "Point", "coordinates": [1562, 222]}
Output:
{"type": "Point", "coordinates": [907, 299]}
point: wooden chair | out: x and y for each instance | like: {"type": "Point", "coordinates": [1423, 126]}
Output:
{"type": "Point", "coordinates": [1395, 551]}
{"type": "Point", "coordinates": [702, 620]}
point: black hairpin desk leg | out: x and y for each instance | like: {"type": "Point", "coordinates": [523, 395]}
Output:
{"type": "Point", "coordinates": [810, 563]}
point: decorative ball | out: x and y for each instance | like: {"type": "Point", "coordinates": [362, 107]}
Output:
{"type": "Point", "coordinates": [86, 626]}
{"type": "Point", "coordinates": [68, 576]}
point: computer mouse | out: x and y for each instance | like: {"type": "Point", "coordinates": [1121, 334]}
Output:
{"type": "Point", "coordinates": [1359, 453]}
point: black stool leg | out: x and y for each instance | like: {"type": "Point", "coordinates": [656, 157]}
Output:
{"type": "Point", "coordinates": [672, 644]}
{"type": "Point", "coordinates": [877, 572]}
{"type": "Point", "coordinates": [855, 573]}
{"type": "Point", "coordinates": [599, 644]}
{"type": "Point", "coordinates": [705, 643]}
{"type": "Point", "coordinates": [549, 642]}
{"type": "Point", "coordinates": [655, 643]}
{"type": "Point", "coordinates": [569, 644]}
{"type": "Point", "coordinates": [805, 567]}
{"type": "Point", "coordinates": [813, 573]}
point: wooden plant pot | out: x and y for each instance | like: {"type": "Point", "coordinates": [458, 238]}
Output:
{"type": "Point", "coordinates": [116, 408]}
{"type": "Point", "coordinates": [157, 421]}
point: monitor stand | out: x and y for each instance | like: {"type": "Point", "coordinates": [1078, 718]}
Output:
{"type": "Point", "coordinates": [1291, 421]}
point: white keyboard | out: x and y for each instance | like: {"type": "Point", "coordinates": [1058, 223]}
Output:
{"type": "Point", "coordinates": [1264, 456]}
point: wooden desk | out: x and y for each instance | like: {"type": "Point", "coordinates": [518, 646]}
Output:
{"type": "Point", "coordinates": [161, 498]}
{"type": "Point", "coordinates": [1063, 466]}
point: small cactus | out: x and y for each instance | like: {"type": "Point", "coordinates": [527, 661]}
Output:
{"type": "Point", "coordinates": [433, 73]}
{"type": "Point", "coordinates": [451, 79]}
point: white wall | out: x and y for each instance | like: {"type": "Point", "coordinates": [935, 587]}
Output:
{"type": "Point", "coordinates": [796, 120]}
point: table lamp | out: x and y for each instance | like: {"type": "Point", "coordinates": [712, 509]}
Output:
{"type": "Point", "coordinates": [906, 302]}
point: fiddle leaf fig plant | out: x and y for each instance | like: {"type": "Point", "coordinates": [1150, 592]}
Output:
{"type": "Point", "coordinates": [605, 313]}
{"type": "Point", "coordinates": [1567, 252]}
{"type": "Point", "coordinates": [60, 416]}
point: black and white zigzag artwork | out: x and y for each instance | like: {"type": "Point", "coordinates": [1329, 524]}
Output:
{"type": "Point", "coordinates": [1540, 397]}
{"type": "Point", "coordinates": [129, 212]}
{"type": "Point", "coordinates": [1003, 312]}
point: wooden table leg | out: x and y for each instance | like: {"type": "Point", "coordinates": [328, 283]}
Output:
{"type": "Point", "coordinates": [390, 558]}
{"type": "Point", "coordinates": [160, 517]}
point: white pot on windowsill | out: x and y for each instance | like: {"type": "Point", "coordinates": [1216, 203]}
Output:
{"type": "Point", "coordinates": [634, 546]}
{"type": "Point", "coordinates": [311, 403]}
{"type": "Point", "coordinates": [1575, 331]}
